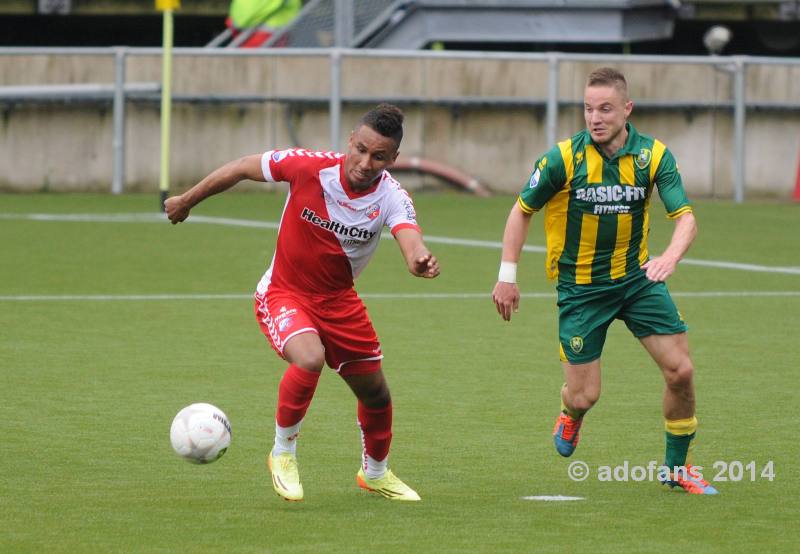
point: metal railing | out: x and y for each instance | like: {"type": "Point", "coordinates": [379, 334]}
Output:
{"type": "Point", "coordinates": [120, 91]}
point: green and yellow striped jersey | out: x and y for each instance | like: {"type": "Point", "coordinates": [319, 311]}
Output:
{"type": "Point", "coordinates": [596, 209]}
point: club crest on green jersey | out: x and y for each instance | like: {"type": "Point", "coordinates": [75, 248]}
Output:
{"type": "Point", "coordinates": [644, 157]}
{"type": "Point", "coordinates": [576, 344]}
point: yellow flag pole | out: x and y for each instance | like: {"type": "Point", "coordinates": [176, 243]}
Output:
{"type": "Point", "coordinates": [167, 7]}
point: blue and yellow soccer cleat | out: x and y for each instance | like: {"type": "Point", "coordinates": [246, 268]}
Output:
{"type": "Point", "coordinates": [389, 486]}
{"type": "Point", "coordinates": [565, 434]}
{"type": "Point", "coordinates": [690, 480]}
{"type": "Point", "coordinates": [285, 476]}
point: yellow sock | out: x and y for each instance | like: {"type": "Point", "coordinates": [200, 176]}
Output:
{"type": "Point", "coordinates": [679, 435]}
{"type": "Point", "coordinates": [681, 427]}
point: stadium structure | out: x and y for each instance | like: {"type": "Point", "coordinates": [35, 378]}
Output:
{"type": "Point", "coordinates": [757, 27]}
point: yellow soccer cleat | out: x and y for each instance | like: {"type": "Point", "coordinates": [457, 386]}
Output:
{"type": "Point", "coordinates": [285, 476]}
{"type": "Point", "coordinates": [389, 486]}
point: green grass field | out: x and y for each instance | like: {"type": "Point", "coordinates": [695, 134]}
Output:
{"type": "Point", "coordinates": [110, 327]}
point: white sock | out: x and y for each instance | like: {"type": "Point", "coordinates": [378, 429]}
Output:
{"type": "Point", "coordinates": [286, 439]}
{"type": "Point", "coordinates": [374, 468]}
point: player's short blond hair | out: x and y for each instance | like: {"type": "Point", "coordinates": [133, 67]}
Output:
{"type": "Point", "coordinates": [608, 77]}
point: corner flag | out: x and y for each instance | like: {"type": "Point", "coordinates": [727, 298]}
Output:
{"type": "Point", "coordinates": [166, 6]}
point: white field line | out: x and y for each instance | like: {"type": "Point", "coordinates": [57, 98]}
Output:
{"type": "Point", "coordinates": [159, 218]}
{"type": "Point", "coordinates": [366, 296]}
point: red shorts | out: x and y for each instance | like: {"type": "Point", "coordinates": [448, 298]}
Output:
{"type": "Point", "coordinates": [340, 321]}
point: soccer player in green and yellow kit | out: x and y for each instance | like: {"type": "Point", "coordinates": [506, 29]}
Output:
{"type": "Point", "coordinates": [595, 188]}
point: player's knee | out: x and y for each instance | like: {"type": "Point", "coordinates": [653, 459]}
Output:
{"type": "Point", "coordinates": [310, 360]}
{"type": "Point", "coordinates": [373, 393]}
{"type": "Point", "coordinates": [376, 397]}
{"type": "Point", "coordinates": [680, 375]}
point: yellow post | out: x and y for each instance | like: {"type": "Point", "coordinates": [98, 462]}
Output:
{"type": "Point", "coordinates": [167, 7]}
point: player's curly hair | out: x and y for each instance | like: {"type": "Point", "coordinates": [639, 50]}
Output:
{"type": "Point", "coordinates": [386, 119]}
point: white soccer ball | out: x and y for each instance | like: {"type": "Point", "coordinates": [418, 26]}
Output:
{"type": "Point", "coordinates": [200, 433]}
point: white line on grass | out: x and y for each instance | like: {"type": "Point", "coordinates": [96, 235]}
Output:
{"type": "Point", "coordinates": [553, 498]}
{"type": "Point", "coordinates": [366, 296]}
{"type": "Point", "coordinates": [158, 218]}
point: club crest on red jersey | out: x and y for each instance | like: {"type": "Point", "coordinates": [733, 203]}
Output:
{"type": "Point", "coordinates": [372, 211]}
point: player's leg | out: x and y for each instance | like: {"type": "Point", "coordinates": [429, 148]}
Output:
{"type": "Point", "coordinates": [306, 357]}
{"type": "Point", "coordinates": [653, 317]}
{"type": "Point", "coordinates": [366, 380]}
{"type": "Point", "coordinates": [353, 349]}
{"type": "Point", "coordinates": [293, 335]}
{"type": "Point", "coordinates": [579, 393]}
{"type": "Point", "coordinates": [585, 313]}
{"type": "Point", "coordinates": [374, 414]}
{"type": "Point", "coordinates": [581, 389]}
{"type": "Point", "coordinates": [671, 353]}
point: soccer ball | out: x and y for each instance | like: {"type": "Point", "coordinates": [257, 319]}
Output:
{"type": "Point", "coordinates": [200, 433]}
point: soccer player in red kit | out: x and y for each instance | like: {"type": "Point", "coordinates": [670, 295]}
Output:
{"type": "Point", "coordinates": [305, 302]}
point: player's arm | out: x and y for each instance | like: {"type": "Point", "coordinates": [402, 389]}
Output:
{"type": "Point", "coordinates": [506, 292]}
{"type": "Point", "coordinates": [673, 195]}
{"type": "Point", "coordinates": [661, 267]}
{"type": "Point", "coordinates": [420, 261]}
{"type": "Point", "coordinates": [219, 180]}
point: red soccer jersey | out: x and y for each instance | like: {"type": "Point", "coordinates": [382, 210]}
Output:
{"type": "Point", "coordinates": [328, 232]}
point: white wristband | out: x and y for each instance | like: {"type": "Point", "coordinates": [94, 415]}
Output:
{"type": "Point", "coordinates": [508, 272]}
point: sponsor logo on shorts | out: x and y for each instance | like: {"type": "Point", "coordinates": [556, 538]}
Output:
{"type": "Point", "coordinates": [576, 344]}
{"type": "Point", "coordinates": [284, 318]}
{"type": "Point", "coordinates": [285, 324]}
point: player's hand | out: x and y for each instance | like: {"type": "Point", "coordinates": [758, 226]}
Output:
{"type": "Point", "coordinates": [658, 269]}
{"type": "Point", "coordinates": [506, 299]}
{"type": "Point", "coordinates": [426, 266]}
{"type": "Point", "coordinates": [176, 209]}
